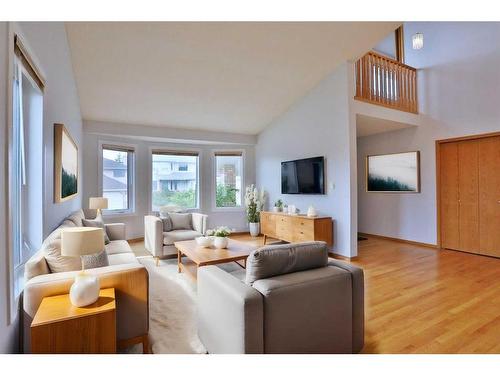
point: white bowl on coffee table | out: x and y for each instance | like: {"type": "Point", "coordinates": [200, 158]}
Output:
{"type": "Point", "coordinates": [204, 241]}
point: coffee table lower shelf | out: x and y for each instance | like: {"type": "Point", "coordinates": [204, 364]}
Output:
{"type": "Point", "coordinates": [189, 267]}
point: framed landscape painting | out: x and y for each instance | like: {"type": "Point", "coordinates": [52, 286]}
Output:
{"type": "Point", "coordinates": [65, 165]}
{"type": "Point", "coordinates": [393, 173]}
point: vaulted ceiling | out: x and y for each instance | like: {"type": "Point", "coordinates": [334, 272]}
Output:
{"type": "Point", "coordinates": [220, 76]}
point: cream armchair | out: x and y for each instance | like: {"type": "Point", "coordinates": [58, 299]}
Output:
{"type": "Point", "coordinates": [160, 243]}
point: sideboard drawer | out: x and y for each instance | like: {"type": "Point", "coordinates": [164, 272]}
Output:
{"type": "Point", "coordinates": [296, 228]}
{"type": "Point", "coordinates": [284, 228]}
{"type": "Point", "coordinates": [304, 224]}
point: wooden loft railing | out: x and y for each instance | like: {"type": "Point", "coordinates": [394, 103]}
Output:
{"type": "Point", "coordinates": [383, 81]}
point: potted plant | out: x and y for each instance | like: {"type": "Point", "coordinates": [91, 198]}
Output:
{"type": "Point", "coordinates": [220, 236]}
{"type": "Point", "coordinates": [254, 201]}
{"type": "Point", "coordinates": [278, 206]}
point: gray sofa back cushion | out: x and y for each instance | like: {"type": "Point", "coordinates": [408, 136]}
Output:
{"type": "Point", "coordinates": [274, 260]}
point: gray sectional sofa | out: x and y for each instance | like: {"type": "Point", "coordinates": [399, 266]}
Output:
{"type": "Point", "coordinates": [290, 299]}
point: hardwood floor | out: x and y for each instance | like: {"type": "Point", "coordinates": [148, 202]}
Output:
{"type": "Point", "coordinates": [424, 300]}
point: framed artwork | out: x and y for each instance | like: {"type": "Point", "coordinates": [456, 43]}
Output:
{"type": "Point", "coordinates": [393, 173]}
{"type": "Point", "coordinates": [65, 165]}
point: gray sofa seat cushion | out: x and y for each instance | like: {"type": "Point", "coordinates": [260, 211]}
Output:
{"type": "Point", "coordinates": [180, 221]}
{"type": "Point", "coordinates": [179, 235]}
{"type": "Point", "coordinates": [118, 247]}
{"type": "Point", "coordinates": [274, 260]}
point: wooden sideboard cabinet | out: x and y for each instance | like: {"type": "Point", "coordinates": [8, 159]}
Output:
{"type": "Point", "coordinates": [296, 228]}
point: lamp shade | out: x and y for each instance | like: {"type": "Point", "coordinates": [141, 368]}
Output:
{"type": "Point", "coordinates": [98, 203]}
{"type": "Point", "coordinates": [80, 241]}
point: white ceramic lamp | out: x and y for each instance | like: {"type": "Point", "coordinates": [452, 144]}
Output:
{"type": "Point", "coordinates": [76, 242]}
{"type": "Point", "coordinates": [98, 203]}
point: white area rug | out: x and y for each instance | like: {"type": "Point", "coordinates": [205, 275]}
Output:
{"type": "Point", "coordinates": [172, 310]}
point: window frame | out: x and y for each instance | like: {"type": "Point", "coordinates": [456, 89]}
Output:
{"type": "Point", "coordinates": [175, 150]}
{"type": "Point", "coordinates": [213, 189]}
{"type": "Point", "coordinates": [131, 150]}
{"type": "Point", "coordinates": [18, 50]}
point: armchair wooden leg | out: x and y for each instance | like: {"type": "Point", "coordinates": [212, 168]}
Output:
{"type": "Point", "coordinates": [157, 261]}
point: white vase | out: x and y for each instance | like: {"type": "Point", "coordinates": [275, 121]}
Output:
{"type": "Point", "coordinates": [220, 242]}
{"type": "Point", "coordinates": [254, 229]}
{"type": "Point", "coordinates": [311, 212]}
{"type": "Point", "coordinates": [85, 290]}
{"type": "Point", "coordinates": [276, 209]}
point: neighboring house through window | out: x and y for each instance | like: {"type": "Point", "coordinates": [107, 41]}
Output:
{"type": "Point", "coordinates": [117, 178]}
{"type": "Point", "coordinates": [174, 179]}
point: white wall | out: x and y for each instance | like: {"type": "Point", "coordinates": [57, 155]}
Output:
{"type": "Point", "coordinates": [458, 91]}
{"type": "Point", "coordinates": [8, 332]}
{"type": "Point", "coordinates": [320, 124]}
{"type": "Point", "coordinates": [47, 41]}
{"type": "Point", "coordinates": [48, 45]}
{"type": "Point", "coordinates": [204, 142]}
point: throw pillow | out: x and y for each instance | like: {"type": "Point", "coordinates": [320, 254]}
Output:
{"type": "Point", "coordinates": [97, 223]}
{"type": "Point", "coordinates": [52, 252]}
{"type": "Point", "coordinates": [95, 260]}
{"type": "Point", "coordinates": [167, 222]}
{"type": "Point", "coordinates": [180, 221]}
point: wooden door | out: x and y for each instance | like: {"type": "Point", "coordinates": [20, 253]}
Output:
{"type": "Point", "coordinates": [449, 211]}
{"type": "Point", "coordinates": [468, 195]}
{"type": "Point", "coordinates": [489, 197]}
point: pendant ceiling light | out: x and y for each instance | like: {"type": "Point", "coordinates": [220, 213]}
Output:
{"type": "Point", "coordinates": [418, 41]}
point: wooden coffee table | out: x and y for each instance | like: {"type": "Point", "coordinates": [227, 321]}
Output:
{"type": "Point", "coordinates": [197, 256]}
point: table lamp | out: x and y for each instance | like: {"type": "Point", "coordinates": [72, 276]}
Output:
{"type": "Point", "coordinates": [76, 242]}
{"type": "Point", "coordinates": [98, 203]}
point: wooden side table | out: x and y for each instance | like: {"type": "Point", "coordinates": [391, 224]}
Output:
{"type": "Point", "coordinates": [60, 327]}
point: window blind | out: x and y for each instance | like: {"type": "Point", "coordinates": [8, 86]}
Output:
{"type": "Point", "coordinates": [118, 148]}
{"type": "Point", "coordinates": [175, 152]}
{"type": "Point", "coordinates": [27, 62]}
{"type": "Point", "coordinates": [228, 153]}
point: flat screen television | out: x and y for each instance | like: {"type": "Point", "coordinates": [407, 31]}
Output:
{"type": "Point", "coordinates": [304, 176]}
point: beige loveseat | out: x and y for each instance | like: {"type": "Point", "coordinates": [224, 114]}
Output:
{"type": "Point", "coordinates": [290, 299]}
{"type": "Point", "coordinates": [124, 273]}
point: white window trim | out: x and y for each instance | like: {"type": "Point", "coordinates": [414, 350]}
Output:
{"type": "Point", "coordinates": [199, 178]}
{"type": "Point", "coordinates": [13, 300]}
{"type": "Point", "coordinates": [214, 181]}
{"type": "Point", "coordinates": [131, 210]}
